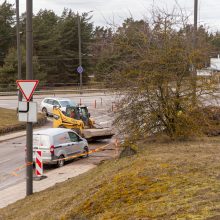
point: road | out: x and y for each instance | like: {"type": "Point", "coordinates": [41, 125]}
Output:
{"type": "Point", "coordinates": [12, 152]}
{"type": "Point", "coordinates": [102, 100]}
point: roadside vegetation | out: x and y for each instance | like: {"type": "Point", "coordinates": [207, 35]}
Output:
{"type": "Point", "coordinates": [153, 65]}
{"type": "Point", "coordinates": [178, 180]}
{"type": "Point", "coordinates": [9, 121]}
{"type": "Point", "coordinates": [165, 113]}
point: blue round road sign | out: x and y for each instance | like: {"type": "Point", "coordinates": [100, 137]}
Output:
{"type": "Point", "coordinates": [80, 69]}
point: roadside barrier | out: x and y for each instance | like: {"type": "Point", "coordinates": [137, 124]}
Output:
{"type": "Point", "coordinates": [113, 105]}
{"type": "Point", "coordinates": [38, 164]}
{"type": "Point", "coordinates": [84, 154]}
{"type": "Point", "coordinates": [116, 147]}
{"type": "Point", "coordinates": [15, 172]}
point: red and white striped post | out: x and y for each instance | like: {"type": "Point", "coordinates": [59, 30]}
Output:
{"type": "Point", "coordinates": [116, 147]}
{"type": "Point", "coordinates": [38, 164]}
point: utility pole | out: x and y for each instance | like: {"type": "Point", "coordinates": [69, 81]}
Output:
{"type": "Point", "coordinates": [194, 47]}
{"type": "Point", "coordinates": [29, 76]}
{"type": "Point", "coordinates": [80, 51]}
{"type": "Point", "coordinates": [18, 46]}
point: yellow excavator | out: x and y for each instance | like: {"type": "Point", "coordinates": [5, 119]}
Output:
{"type": "Point", "coordinates": [78, 119]}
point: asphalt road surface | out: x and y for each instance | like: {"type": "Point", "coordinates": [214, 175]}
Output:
{"type": "Point", "coordinates": [102, 100]}
{"type": "Point", "coordinates": [12, 152]}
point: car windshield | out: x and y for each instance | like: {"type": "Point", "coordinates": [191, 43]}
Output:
{"type": "Point", "coordinates": [65, 103]}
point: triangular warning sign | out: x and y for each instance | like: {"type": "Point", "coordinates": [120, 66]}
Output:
{"type": "Point", "coordinates": [27, 87]}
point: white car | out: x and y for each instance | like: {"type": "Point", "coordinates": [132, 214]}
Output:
{"type": "Point", "coordinates": [58, 145]}
{"type": "Point", "coordinates": [48, 103]}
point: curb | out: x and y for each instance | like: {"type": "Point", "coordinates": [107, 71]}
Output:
{"type": "Point", "coordinates": [11, 136]}
{"type": "Point", "coordinates": [21, 133]}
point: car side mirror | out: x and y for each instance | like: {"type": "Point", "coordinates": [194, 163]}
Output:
{"type": "Point", "coordinates": [89, 115]}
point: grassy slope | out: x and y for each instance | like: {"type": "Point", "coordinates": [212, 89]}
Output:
{"type": "Point", "coordinates": [164, 181]}
{"type": "Point", "coordinates": [8, 117]}
{"type": "Point", "coordinates": [9, 121]}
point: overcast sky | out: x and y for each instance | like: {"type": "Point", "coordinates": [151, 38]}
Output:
{"type": "Point", "coordinates": [118, 10]}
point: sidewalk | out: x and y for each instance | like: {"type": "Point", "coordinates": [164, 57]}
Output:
{"type": "Point", "coordinates": [17, 192]}
{"type": "Point", "coordinates": [13, 135]}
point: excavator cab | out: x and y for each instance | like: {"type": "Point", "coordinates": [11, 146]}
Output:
{"type": "Point", "coordinates": [84, 114]}
{"type": "Point", "coordinates": [80, 113]}
{"type": "Point", "coordinates": [72, 112]}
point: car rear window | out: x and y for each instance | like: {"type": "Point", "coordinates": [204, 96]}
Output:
{"type": "Point", "coordinates": [65, 103]}
{"type": "Point", "coordinates": [50, 101]}
{"type": "Point", "coordinates": [55, 102]}
{"type": "Point", "coordinates": [41, 140]}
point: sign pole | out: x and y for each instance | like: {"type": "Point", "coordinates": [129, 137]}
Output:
{"type": "Point", "coordinates": [80, 51]}
{"type": "Point", "coordinates": [18, 46]}
{"type": "Point", "coordinates": [29, 76]}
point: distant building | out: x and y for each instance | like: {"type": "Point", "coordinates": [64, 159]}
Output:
{"type": "Point", "coordinates": [206, 72]}
{"type": "Point", "coordinates": [212, 71]}
{"type": "Point", "coordinates": [215, 64]}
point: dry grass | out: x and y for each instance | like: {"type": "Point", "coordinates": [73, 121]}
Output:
{"type": "Point", "coordinates": [8, 117]}
{"type": "Point", "coordinates": [9, 121]}
{"type": "Point", "coordinates": [163, 181]}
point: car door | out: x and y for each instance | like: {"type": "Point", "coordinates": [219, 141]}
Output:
{"type": "Point", "coordinates": [50, 106]}
{"type": "Point", "coordinates": [75, 140]}
{"type": "Point", "coordinates": [63, 144]}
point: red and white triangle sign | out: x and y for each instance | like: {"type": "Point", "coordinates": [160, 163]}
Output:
{"type": "Point", "coordinates": [27, 87]}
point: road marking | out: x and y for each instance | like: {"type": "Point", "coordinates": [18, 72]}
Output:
{"type": "Point", "coordinates": [4, 161]}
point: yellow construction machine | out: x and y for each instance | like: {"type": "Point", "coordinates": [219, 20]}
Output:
{"type": "Point", "coordinates": [78, 119]}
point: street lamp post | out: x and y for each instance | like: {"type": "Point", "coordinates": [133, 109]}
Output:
{"type": "Point", "coordinates": [80, 50]}
{"type": "Point", "coordinates": [194, 47]}
{"type": "Point", "coordinates": [18, 46]}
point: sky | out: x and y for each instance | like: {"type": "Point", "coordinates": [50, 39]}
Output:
{"type": "Point", "coordinates": [115, 11]}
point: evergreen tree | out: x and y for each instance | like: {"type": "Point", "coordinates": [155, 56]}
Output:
{"type": "Point", "coordinates": [7, 32]}
{"type": "Point", "coordinates": [68, 40]}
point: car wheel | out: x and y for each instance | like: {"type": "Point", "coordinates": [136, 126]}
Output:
{"type": "Point", "coordinates": [61, 161]}
{"type": "Point", "coordinates": [44, 110]}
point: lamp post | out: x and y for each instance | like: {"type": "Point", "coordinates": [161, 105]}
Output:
{"type": "Point", "coordinates": [80, 49]}
{"type": "Point", "coordinates": [18, 46]}
{"type": "Point", "coordinates": [194, 47]}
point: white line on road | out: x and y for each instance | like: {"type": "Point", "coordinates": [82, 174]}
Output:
{"type": "Point", "coordinates": [4, 161]}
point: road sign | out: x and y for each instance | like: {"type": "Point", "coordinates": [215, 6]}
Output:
{"type": "Point", "coordinates": [27, 87]}
{"type": "Point", "coordinates": [80, 69]}
{"type": "Point", "coordinates": [27, 111]}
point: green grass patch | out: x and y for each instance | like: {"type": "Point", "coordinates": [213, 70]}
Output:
{"type": "Point", "coordinates": [9, 121]}
{"type": "Point", "coordinates": [163, 181]}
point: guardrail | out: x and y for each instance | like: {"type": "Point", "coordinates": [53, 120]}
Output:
{"type": "Point", "coordinates": [54, 92]}
{"type": "Point", "coordinates": [56, 86]}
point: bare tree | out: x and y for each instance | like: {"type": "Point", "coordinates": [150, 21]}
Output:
{"type": "Point", "coordinates": [152, 68]}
